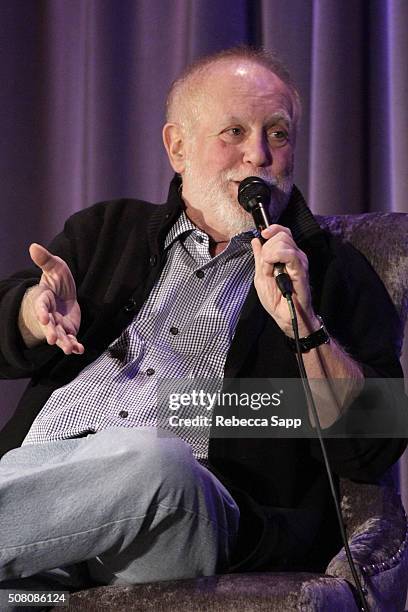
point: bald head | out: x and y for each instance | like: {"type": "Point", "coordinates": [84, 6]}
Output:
{"type": "Point", "coordinates": [186, 98]}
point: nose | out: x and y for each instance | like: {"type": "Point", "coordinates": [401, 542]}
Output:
{"type": "Point", "coordinates": [257, 151]}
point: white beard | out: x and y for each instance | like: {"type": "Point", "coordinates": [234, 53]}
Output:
{"type": "Point", "coordinates": [220, 205]}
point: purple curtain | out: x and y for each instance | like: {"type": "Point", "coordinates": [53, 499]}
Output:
{"type": "Point", "coordinates": [83, 84]}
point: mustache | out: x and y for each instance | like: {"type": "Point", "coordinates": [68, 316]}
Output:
{"type": "Point", "coordinates": [271, 181]}
{"type": "Point", "coordinates": [280, 182]}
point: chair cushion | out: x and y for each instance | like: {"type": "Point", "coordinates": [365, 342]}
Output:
{"type": "Point", "coordinates": [226, 593]}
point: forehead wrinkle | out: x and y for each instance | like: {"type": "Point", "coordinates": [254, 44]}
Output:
{"type": "Point", "coordinates": [269, 120]}
{"type": "Point", "coordinates": [269, 105]}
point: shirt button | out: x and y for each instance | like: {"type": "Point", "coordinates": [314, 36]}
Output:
{"type": "Point", "coordinates": [123, 414]}
{"type": "Point", "coordinates": [174, 331]}
{"type": "Point", "coordinates": [200, 239]}
{"type": "Point", "coordinates": [200, 274]}
{"type": "Point", "coordinates": [149, 371]}
{"type": "Point", "coordinates": [131, 304]}
{"type": "Point", "coordinates": [153, 260]}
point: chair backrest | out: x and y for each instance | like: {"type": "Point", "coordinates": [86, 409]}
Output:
{"type": "Point", "coordinates": [383, 239]}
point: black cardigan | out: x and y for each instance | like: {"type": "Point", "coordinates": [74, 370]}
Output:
{"type": "Point", "coordinates": [115, 252]}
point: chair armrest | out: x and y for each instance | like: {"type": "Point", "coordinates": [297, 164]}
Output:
{"type": "Point", "coordinates": [377, 531]}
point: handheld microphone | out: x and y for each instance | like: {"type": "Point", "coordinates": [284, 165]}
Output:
{"type": "Point", "coordinates": [254, 195]}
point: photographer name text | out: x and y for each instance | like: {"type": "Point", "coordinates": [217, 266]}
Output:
{"type": "Point", "coordinates": [233, 421]}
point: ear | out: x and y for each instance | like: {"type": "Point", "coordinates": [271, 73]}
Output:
{"type": "Point", "coordinates": [174, 142]}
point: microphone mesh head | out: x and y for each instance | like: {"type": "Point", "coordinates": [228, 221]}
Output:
{"type": "Point", "coordinates": [253, 190]}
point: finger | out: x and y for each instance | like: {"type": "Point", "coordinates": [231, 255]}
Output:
{"type": "Point", "coordinates": [262, 269]}
{"type": "Point", "coordinates": [67, 341]}
{"type": "Point", "coordinates": [282, 255]}
{"type": "Point", "coordinates": [257, 250]}
{"type": "Point", "coordinates": [65, 324]}
{"type": "Point", "coordinates": [274, 229]}
{"type": "Point", "coordinates": [264, 260]}
{"type": "Point", "coordinates": [77, 347]}
{"type": "Point", "coordinates": [44, 306]}
{"type": "Point", "coordinates": [51, 335]}
{"type": "Point", "coordinates": [64, 342]}
{"type": "Point", "coordinates": [41, 257]}
{"type": "Point", "coordinates": [70, 346]}
{"type": "Point", "coordinates": [282, 248]}
{"type": "Point", "coordinates": [42, 312]}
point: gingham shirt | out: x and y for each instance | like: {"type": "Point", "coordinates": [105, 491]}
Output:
{"type": "Point", "coordinates": [183, 330]}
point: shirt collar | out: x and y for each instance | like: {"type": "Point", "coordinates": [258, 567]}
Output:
{"type": "Point", "coordinates": [183, 225]}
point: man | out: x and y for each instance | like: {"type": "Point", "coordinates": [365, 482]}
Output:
{"type": "Point", "coordinates": [129, 294]}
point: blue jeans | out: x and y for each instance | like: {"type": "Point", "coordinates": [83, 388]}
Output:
{"type": "Point", "coordinates": [133, 504]}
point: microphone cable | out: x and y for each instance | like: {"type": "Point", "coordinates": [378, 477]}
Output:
{"type": "Point", "coordinates": [311, 403]}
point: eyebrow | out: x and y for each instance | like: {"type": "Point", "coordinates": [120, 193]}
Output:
{"type": "Point", "coordinates": [280, 116]}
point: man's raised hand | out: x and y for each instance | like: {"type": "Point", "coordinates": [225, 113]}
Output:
{"type": "Point", "coordinates": [49, 310]}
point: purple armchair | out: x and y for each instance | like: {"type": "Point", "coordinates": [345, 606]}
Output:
{"type": "Point", "coordinates": [375, 519]}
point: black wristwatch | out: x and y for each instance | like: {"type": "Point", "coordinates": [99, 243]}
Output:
{"type": "Point", "coordinates": [315, 339]}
